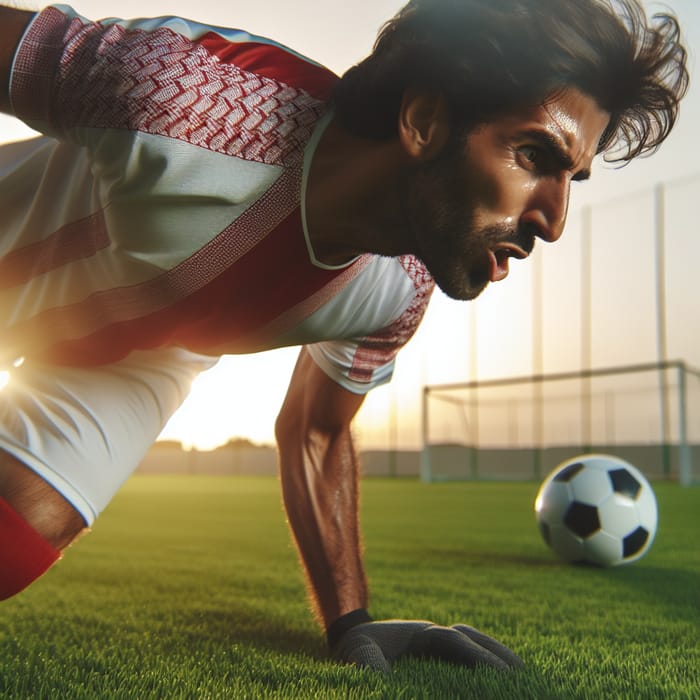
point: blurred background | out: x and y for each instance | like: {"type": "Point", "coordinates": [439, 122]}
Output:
{"type": "Point", "coordinates": [620, 289]}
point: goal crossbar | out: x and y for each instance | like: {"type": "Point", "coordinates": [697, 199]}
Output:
{"type": "Point", "coordinates": [447, 393]}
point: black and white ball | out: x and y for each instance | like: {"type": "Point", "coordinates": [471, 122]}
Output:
{"type": "Point", "coordinates": [597, 509]}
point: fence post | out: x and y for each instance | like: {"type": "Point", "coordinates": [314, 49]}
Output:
{"type": "Point", "coordinates": [425, 468]}
{"type": "Point", "coordinates": [661, 345]}
{"type": "Point", "coordinates": [586, 338]}
{"type": "Point", "coordinates": [685, 465]}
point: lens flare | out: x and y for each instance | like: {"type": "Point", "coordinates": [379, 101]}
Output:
{"type": "Point", "coordinates": [5, 374]}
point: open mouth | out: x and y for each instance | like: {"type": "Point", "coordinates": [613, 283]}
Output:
{"type": "Point", "coordinates": [499, 258]}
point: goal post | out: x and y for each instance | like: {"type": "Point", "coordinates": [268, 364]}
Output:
{"type": "Point", "coordinates": [522, 427]}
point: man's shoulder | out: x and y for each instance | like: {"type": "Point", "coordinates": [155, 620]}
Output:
{"type": "Point", "coordinates": [385, 273]}
{"type": "Point", "coordinates": [220, 89]}
{"type": "Point", "coordinates": [417, 272]}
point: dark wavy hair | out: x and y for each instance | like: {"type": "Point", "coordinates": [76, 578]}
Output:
{"type": "Point", "coordinates": [489, 56]}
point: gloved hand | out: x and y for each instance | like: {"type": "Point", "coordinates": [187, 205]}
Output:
{"type": "Point", "coordinates": [377, 644]}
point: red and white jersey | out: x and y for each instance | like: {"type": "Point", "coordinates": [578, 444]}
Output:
{"type": "Point", "coordinates": [164, 205]}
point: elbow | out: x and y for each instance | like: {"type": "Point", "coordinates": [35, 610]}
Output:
{"type": "Point", "coordinates": [280, 429]}
{"type": "Point", "coordinates": [287, 425]}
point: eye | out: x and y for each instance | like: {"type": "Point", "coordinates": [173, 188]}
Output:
{"type": "Point", "coordinates": [532, 155]}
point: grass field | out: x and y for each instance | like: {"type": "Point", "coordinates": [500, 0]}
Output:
{"type": "Point", "coordinates": [189, 588]}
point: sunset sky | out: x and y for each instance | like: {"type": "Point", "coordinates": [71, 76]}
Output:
{"type": "Point", "coordinates": [240, 397]}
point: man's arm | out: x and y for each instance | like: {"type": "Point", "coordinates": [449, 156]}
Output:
{"type": "Point", "coordinates": [319, 473]}
{"type": "Point", "coordinates": [12, 25]}
{"type": "Point", "coordinates": [320, 487]}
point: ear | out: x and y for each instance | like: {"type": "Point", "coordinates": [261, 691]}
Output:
{"type": "Point", "coordinates": [424, 123]}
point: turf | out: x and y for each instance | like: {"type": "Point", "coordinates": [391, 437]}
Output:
{"type": "Point", "coordinates": [189, 587]}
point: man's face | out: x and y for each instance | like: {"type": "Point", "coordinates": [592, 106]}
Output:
{"type": "Point", "coordinates": [490, 194]}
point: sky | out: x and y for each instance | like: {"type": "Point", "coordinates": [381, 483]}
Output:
{"type": "Point", "coordinates": [492, 337]}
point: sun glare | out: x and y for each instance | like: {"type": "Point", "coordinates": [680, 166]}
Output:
{"type": "Point", "coordinates": [5, 374]}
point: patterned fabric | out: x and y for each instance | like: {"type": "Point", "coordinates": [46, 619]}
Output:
{"type": "Point", "coordinates": [165, 84]}
{"type": "Point", "coordinates": [382, 347]}
{"type": "Point", "coordinates": [178, 155]}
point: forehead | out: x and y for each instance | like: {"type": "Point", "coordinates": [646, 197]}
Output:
{"type": "Point", "coordinates": [577, 118]}
{"type": "Point", "coordinates": [573, 117]}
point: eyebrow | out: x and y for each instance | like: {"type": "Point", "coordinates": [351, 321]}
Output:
{"type": "Point", "coordinates": [558, 151]}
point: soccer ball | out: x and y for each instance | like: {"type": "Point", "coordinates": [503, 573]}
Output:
{"type": "Point", "coordinates": [597, 509]}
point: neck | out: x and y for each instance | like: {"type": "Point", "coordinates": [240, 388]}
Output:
{"type": "Point", "coordinates": [352, 201]}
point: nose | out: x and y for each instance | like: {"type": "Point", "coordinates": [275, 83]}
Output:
{"type": "Point", "coordinates": [546, 209]}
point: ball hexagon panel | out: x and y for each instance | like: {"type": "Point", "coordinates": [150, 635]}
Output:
{"type": "Point", "coordinates": [647, 510]}
{"type": "Point", "coordinates": [603, 549]}
{"type": "Point", "coordinates": [591, 486]}
{"type": "Point", "coordinates": [618, 515]}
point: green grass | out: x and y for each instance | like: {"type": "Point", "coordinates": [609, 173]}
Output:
{"type": "Point", "coordinates": [189, 588]}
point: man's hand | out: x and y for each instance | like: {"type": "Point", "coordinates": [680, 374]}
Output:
{"type": "Point", "coordinates": [377, 645]}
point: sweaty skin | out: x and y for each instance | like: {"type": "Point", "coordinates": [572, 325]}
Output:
{"type": "Point", "coordinates": [511, 188]}
{"type": "Point", "coordinates": [463, 204]}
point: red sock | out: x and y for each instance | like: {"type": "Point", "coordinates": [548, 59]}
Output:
{"type": "Point", "coordinates": [24, 553]}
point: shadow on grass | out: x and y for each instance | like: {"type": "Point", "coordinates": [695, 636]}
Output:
{"type": "Point", "coordinates": [240, 625]}
{"type": "Point", "coordinates": [676, 590]}
{"type": "Point", "coordinates": [304, 652]}
{"type": "Point", "coordinates": [446, 557]}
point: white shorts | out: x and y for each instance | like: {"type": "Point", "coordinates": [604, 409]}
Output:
{"type": "Point", "coordinates": [85, 430]}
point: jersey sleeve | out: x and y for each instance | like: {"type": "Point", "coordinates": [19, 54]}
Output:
{"type": "Point", "coordinates": [361, 364]}
{"type": "Point", "coordinates": [163, 75]}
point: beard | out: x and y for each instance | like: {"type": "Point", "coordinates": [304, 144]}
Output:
{"type": "Point", "coordinates": [439, 205]}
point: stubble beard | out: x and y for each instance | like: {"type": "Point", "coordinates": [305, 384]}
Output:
{"type": "Point", "coordinates": [440, 222]}
{"type": "Point", "coordinates": [440, 216]}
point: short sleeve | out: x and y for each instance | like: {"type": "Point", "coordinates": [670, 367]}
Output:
{"type": "Point", "coordinates": [361, 364]}
{"type": "Point", "coordinates": [336, 357]}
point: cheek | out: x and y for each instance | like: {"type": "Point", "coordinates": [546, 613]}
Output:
{"type": "Point", "coordinates": [502, 197]}
{"type": "Point", "coordinates": [498, 185]}
{"type": "Point", "coordinates": [435, 199]}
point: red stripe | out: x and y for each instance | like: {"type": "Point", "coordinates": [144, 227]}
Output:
{"type": "Point", "coordinates": [74, 241]}
{"type": "Point", "coordinates": [272, 62]}
{"type": "Point", "coordinates": [271, 278]}
{"type": "Point", "coordinates": [119, 307]}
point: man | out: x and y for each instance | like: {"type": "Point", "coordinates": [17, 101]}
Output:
{"type": "Point", "coordinates": [199, 191]}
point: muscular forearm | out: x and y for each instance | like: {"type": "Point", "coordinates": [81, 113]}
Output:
{"type": "Point", "coordinates": [320, 489]}
{"type": "Point", "coordinates": [12, 25]}
{"type": "Point", "coordinates": [320, 485]}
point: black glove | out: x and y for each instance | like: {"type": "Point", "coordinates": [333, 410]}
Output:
{"type": "Point", "coordinates": [356, 639]}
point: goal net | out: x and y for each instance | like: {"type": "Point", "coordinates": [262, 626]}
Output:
{"type": "Point", "coordinates": [522, 427]}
